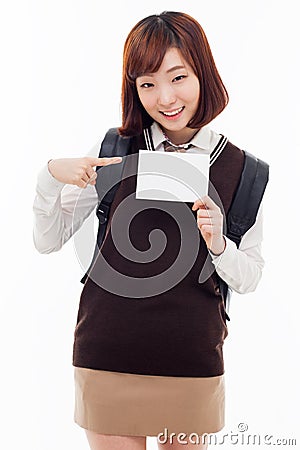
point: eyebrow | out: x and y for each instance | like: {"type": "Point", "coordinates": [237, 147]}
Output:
{"type": "Point", "coordinates": [172, 69]}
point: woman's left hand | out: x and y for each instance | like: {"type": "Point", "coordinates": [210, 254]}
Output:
{"type": "Point", "coordinates": [210, 224]}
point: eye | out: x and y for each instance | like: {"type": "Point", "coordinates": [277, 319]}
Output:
{"type": "Point", "coordinates": [179, 77]}
{"type": "Point", "coordinates": [146, 85]}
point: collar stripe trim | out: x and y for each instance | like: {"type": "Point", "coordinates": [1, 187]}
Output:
{"type": "Point", "coordinates": [148, 139]}
{"type": "Point", "coordinates": [218, 149]}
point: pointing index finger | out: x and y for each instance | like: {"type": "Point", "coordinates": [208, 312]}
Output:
{"type": "Point", "coordinates": [105, 161]}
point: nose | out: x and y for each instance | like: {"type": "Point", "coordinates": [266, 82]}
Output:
{"type": "Point", "coordinates": [166, 96]}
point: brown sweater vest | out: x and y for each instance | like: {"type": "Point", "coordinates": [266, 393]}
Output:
{"type": "Point", "coordinates": [177, 332]}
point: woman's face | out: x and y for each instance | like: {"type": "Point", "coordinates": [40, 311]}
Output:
{"type": "Point", "coordinates": [171, 96]}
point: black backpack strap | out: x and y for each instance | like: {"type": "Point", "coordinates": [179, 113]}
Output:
{"type": "Point", "coordinates": [243, 210]}
{"type": "Point", "coordinates": [108, 182]}
{"type": "Point", "coordinates": [113, 145]}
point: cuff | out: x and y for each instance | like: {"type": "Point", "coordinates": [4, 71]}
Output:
{"type": "Point", "coordinates": [47, 183]}
{"type": "Point", "coordinates": [227, 256]}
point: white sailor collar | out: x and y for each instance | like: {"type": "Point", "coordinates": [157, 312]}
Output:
{"type": "Point", "coordinates": [205, 139]}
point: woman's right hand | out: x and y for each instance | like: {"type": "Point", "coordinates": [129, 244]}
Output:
{"type": "Point", "coordinates": [78, 171]}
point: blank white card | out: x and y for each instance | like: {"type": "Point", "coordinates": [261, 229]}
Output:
{"type": "Point", "coordinates": [172, 176]}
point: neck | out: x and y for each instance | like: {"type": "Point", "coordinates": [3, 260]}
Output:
{"type": "Point", "coordinates": [180, 137]}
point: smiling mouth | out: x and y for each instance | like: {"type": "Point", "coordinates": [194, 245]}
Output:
{"type": "Point", "coordinates": [172, 113]}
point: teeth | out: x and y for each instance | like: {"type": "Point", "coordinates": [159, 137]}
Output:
{"type": "Point", "coordinates": [173, 113]}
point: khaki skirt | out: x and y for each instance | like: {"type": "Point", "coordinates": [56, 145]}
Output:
{"type": "Point", "coordinates": [129, 404]}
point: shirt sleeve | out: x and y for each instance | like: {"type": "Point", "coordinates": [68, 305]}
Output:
{"type": "Point", "coordinates": [54, 206]}
{"type": "Point", "coordinates": [241, 268]}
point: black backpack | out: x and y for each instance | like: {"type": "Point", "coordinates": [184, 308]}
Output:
{"type": "Point", "coordinates": [240, 217]}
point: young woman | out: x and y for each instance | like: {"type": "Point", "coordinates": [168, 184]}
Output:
{"type": "Point", "coordinates": [149, 364]}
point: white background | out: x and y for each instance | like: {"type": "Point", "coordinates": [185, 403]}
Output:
{"type": "Point", "coordinates": [60, 91]}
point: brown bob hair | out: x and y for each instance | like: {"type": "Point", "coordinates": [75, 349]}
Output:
{"type": "Point", "coordinates": [144, 50]}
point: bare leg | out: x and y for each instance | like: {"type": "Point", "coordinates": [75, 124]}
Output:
{"type": "Point", "coordinates": [178, 446]}
{"type": "Point", "coordinates": [175, 445]}
{"type": "Point", "coordinates": [111, 442]}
